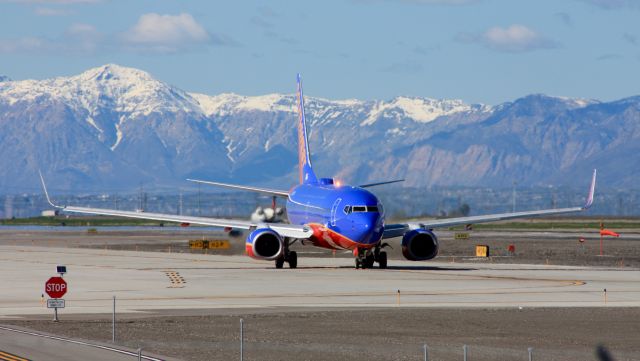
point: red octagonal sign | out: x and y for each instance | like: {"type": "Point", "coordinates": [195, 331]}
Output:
{"type": "Point", "coordinates": [55, 287]}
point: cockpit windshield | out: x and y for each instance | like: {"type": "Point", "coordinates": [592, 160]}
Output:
{"type": "Point", "coordinates": [360, 209]}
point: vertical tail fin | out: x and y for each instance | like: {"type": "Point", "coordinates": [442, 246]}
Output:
{"type": "Point", "coordinates": [304, 160]}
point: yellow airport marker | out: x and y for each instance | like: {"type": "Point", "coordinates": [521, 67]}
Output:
{"type": "Point", "coordinates": [398, 298]}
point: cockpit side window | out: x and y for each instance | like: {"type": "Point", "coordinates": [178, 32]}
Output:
{"type": "Point", "coordinates": [347, 209]}
{"type": "Point", "coordinates": [357, 209]}
{"type": "Point", "coordinates": [372, 209]}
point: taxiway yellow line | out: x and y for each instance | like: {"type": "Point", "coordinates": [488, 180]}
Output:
{"type": "Point", "coordinates": [5, 356]}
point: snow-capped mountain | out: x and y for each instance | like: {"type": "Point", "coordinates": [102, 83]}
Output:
{"type": "Point", "coordinates": [121, 89]}
{"type": "Point", "coordinates": [116, 127]}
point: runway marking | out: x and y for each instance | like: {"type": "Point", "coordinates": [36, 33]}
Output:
{"type": "Point", "coordinates": [5, 356]}
{"type": "Point", "coordinates": [177, 281]}
{"type": "Point", "coordinates": [77, 342]}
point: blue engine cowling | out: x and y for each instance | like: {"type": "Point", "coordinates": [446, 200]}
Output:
{"type": "Point", "coordinates": [264, 244]}
{"type": "Point", "coordinates": [419, 245]}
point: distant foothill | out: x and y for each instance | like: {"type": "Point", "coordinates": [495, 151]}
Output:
{"type": "Point", "coordinates": [114, 127]}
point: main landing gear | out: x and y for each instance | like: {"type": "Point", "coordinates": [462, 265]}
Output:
{"type": "Point", "coordinates": [365, 258]}
{"type": "Point", "coordinates": [290, 257]}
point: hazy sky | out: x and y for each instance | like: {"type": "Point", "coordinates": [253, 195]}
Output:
{"type": "Point", "coordinates": [486, 51]}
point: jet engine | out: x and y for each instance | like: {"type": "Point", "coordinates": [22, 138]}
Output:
{"type": "Point", "coordinates": [264, 244]}
{"type": "Point", "coordinates": [419, 245]}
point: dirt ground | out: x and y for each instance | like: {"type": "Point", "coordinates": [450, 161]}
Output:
{"type": "Point", "coordinates": [387, 334]}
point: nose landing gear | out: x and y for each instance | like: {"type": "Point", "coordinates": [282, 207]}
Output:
{"type": "Point", "coordinates": [366, 258]}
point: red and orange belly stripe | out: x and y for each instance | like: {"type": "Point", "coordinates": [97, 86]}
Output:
{"type": "Point", "coordinates": [328, 238]}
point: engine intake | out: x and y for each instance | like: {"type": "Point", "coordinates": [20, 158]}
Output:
{"type": "Point", "coordinates": [264, 244]}
{"type": "Point", "coordinates": [419, 245]}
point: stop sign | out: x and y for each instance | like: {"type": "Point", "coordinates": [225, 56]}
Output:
{"type": "Point", "coordinates": [55, 287]}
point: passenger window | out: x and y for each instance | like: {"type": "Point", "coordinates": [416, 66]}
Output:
{"type": "Point", "coordinates": [347, 209]}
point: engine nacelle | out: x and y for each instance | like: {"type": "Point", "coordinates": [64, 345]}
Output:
{"type": "Point", "coordinates": [419, 245]}
{"type": "Point", "coordinates": [264, 244]}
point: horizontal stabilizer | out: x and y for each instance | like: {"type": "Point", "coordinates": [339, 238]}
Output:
{"type": "Point", "coordinates": [380, 183]}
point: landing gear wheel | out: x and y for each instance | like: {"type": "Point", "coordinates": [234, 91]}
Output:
{"type": "Point", "coordinates": [358, 263]}
{"type": "Point", "coordinates": [280, 262]}
{"type": "Point", "coordinates": [368, 261]}
{"type": "Point", "coordinates": [293, 259]}
{"type": "Point", "coordinates": [382, 260]}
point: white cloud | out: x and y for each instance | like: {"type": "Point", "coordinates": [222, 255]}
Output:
{"type": "Point", "coordinates": [513, 39]}
{"type": "Point", "coordinates": [79, 29]}
{"type": "Point", "coordinates": [25, 44]}
{"type": "Point", "coordinates": [78, 38]}
{"type": "Point", "coordinates": [165, 34]}
{"type": "Point", "coordinates": [170, 33]}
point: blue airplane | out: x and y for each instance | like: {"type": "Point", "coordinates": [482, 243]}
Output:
{"type": "Point", "coordinates": [326, 214]}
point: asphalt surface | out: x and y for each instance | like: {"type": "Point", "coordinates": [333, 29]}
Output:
{"type": "Point", "coordinates": [143, 281]}
{"type": "Point", "coordinates": [188, 305]}
{"type": "Point", "coordinates": [18, 344]}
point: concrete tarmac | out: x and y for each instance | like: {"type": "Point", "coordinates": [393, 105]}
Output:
{"type": "Point", "coordinates": [146, 281]}
{"type": "Point", "coordinates": [29, 345]}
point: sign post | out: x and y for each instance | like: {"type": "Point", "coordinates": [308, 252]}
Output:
{"type": "Point", "coordinates": [55, 287]}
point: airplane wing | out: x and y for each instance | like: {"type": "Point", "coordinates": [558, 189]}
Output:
{"type": "Point", "coordinates": [271, 192]}
{"type": "Point", "coordinates": [396, 230]}
{"type": "Point", "coordinates": [286, 230]}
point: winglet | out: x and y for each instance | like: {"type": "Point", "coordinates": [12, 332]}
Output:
{"type": "Point", "coordinates": [44, 187]}
{"type": "Point", "coordinates": [592, 191]}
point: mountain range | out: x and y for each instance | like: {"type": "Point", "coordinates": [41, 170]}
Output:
{"type": "Point", "coordinates": [114, 127]}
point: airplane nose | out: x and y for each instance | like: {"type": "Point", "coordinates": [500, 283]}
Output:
{"type": "Point", "coordinates": [369, 224]}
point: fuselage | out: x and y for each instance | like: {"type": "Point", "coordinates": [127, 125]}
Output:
{"type": "Point", "coordinates": [342, 217]}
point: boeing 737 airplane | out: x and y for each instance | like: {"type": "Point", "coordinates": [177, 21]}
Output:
{"type": "Point", "coordinates": [328, 215]}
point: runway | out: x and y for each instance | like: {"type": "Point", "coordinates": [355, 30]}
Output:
{"type": "Point", "coordinates": [146, 281]}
